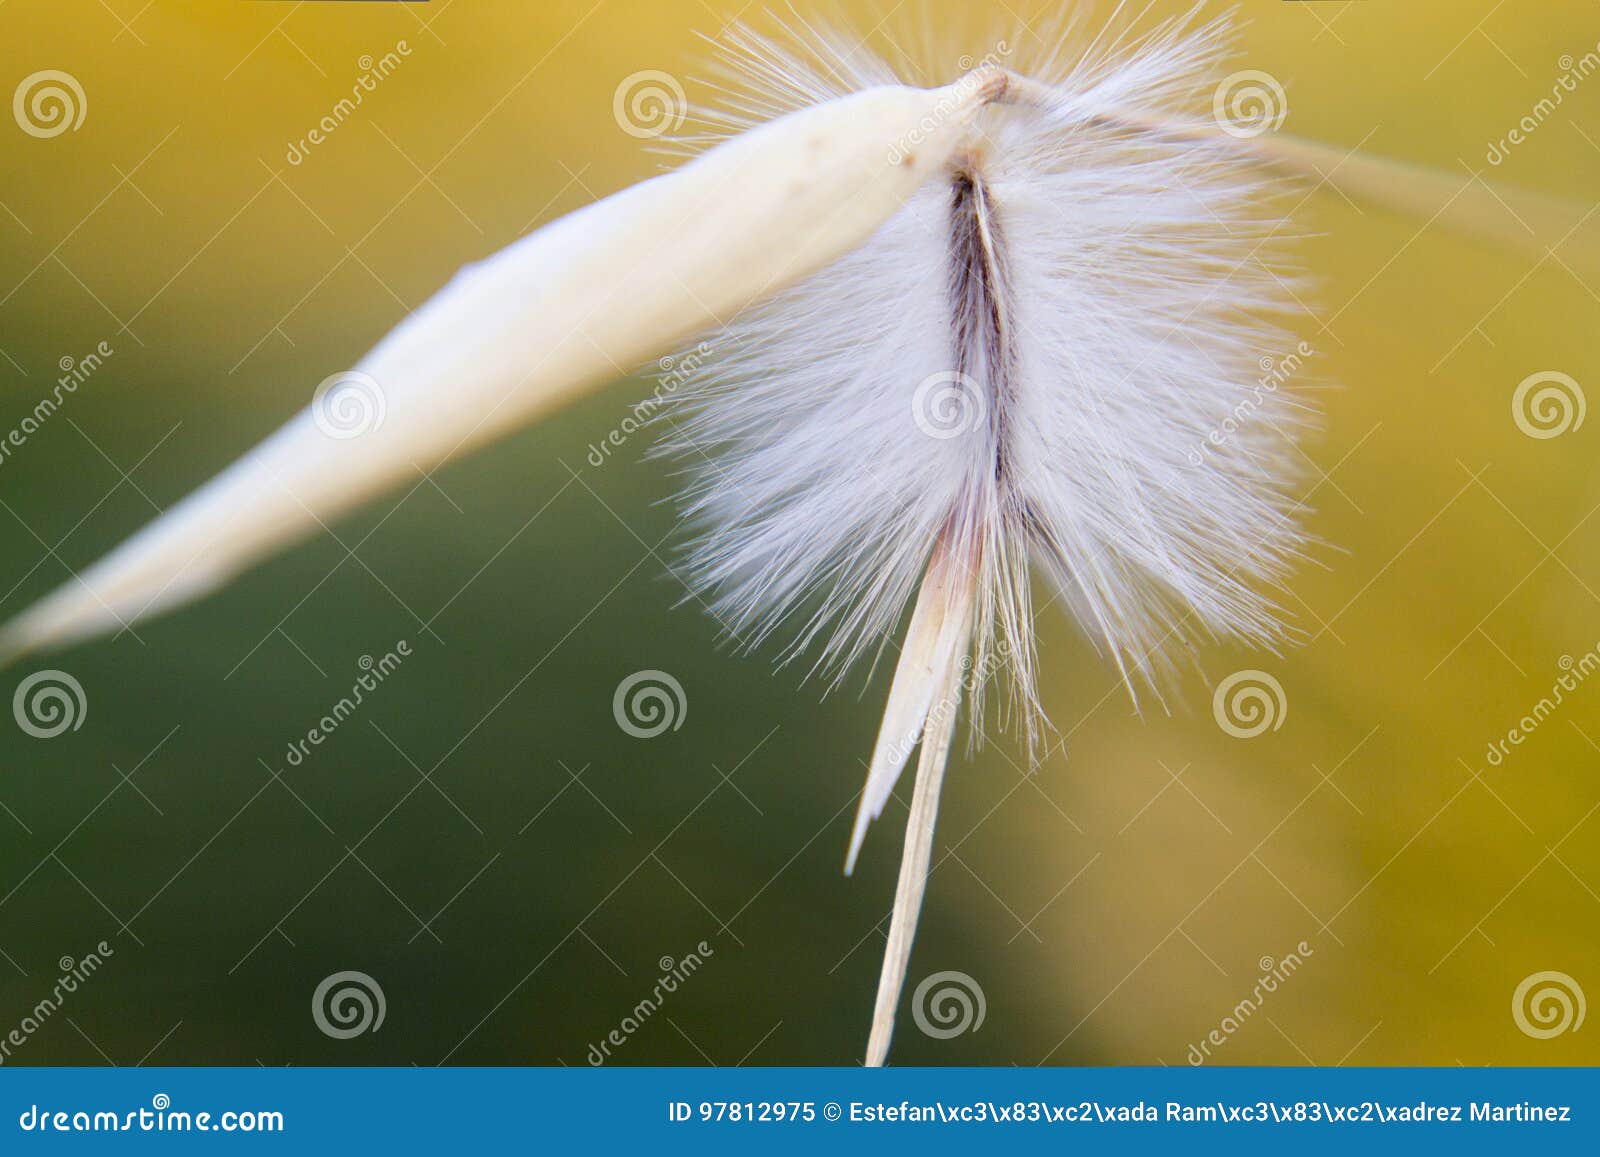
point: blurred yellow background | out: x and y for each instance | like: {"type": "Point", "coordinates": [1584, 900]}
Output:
{"type": "Point", "coordinates": [516, 871]}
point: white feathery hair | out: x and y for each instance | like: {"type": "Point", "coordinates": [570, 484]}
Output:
{"type": "Point", "coordinates": [838, 430]}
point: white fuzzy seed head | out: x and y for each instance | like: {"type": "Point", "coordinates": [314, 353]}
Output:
{"type": "Point", "coordinates": [1053, 355]}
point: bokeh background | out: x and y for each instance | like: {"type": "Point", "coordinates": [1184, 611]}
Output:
{"type": "Point", "coordinates": [513, 869]}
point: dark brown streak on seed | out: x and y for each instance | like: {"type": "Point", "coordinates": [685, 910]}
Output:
{"type": "Point", "coordinates": [980, 299]}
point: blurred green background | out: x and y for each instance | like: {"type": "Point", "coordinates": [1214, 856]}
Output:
{"type": "Point", "coordinates": [510, 866]}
